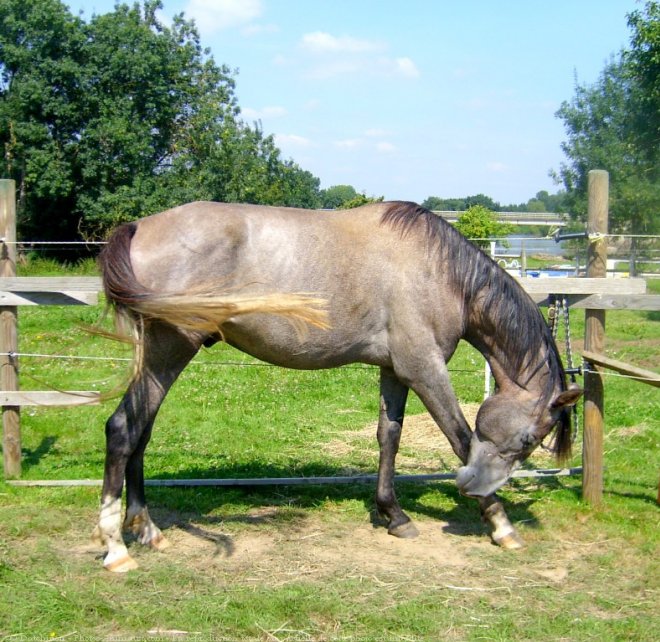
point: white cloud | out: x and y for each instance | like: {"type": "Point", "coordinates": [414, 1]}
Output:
{"type": "Point", "coordinates": [406, 67]}
{"type": "Point", "coordinates": [321, 42]}
{"type": "Point", "coordinates": [343, 55]}
{"type": "Point", "coordinates": [385, 148]}
{"type": "Point", "coordinates": [265, 112]}
{"type": "Point", "coordinates": [349, 143]}
{"type": "Point", "coordinates": [292, 140]}
{"type": "Point", "coordinates": [215, 15]}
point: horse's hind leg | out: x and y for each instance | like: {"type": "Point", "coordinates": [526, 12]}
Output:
{"type": "Point", "coordinates": [137, 518]}
{"type": "Point", "coordinates": [393, 395]}
{"type": "Point", "coordinates": [166, 353]}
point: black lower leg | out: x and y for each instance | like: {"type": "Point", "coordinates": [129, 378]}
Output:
{"type": "Point", "coordinates": [390, 422]}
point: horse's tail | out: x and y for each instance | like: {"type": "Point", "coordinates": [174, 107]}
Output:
{"type": "Point", "coordinates": [202, 310]}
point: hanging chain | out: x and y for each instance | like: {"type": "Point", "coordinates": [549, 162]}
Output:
{"type": "Point", "coordinates": [560, 306]}
{"type": "Point", "coordinates": [567, 334]}
{"type": "Point", "coordinates": [552, 316]}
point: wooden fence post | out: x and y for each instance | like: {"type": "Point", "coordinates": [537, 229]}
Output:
{"type": "Point", "coordinates": [11, 427]}
{"type": "Point", "coordinates": [594, 340]}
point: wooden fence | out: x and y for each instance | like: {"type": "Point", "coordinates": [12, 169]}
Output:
{"type": "Point", "coordinates": [595, 294]}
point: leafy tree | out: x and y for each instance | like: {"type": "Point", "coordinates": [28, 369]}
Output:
{"type": "Point", "coordinates": [551, 202]}
{"type": "Point", "coordinates": [644, 63]}
{"type": "Point", "coordinates": [120, 117]}
{"type": "Point", "coordinates": [40, 86]}
{"type": "Point", "coordinates": [334, 197]}
{"type": "Point", "coordinates": [460, 204]}
{"type": "Point", "coordinates": [480, 224]}
{"type": "Point", "coordinates": [436, 203]}
{"type": "Point", "coordinates": [483, 201]}
{"type": "Point", "coordinates": [344, 197]}
{"type": "Point", "coordinates": [359, 201]}
{"type": "Point", "coordinates": [611, 125]}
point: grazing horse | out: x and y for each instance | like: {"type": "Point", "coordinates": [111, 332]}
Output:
{"type": "Point", "coordinates": [388, 284]}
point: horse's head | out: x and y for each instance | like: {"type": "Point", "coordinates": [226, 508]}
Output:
{"type": "Point", "coordinates": [508, 429]}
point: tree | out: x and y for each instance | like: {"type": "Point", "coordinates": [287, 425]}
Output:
{"type": "Point", "coordinates": [460, 204]}
{"type": "Point", "coordinates": [334, 197]}
{"type": "Point", "coordinates": [40, 86]}
{"type": "Point", "coordinates": [612, 125]}
{"type": "Point", "coordinates": [480, 224]}
{"type": "Point", "coordinates": [644, 63]}
{"type": "Point", "coordinates": [114, 119]}
{"type": "Point", "coordinates": [360, 200]}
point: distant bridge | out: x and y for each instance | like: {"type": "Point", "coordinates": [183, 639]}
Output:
{"type": "Point", "coordinates": [516, 218]}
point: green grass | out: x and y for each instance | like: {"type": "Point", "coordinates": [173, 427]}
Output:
{"type": "Point", "coordinates": [306, 563]}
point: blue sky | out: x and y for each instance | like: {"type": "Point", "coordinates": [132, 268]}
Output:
{"type": "Point", "coordinates": [411, 98]}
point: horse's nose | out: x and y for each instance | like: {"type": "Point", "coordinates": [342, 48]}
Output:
{"type": "Point", "coordinates": [464, 476]}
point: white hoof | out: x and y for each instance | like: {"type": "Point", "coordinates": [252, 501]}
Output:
{"type": "Point", "coordinates": [119, 562]}
{"type": "Point", "coordinates": [510, 541]}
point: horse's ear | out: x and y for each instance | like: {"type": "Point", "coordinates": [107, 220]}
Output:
{"type": "Point", "coordinates": [567, 397]}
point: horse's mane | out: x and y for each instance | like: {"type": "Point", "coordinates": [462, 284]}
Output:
{"type": "Point", "coordinates": [493, 298]}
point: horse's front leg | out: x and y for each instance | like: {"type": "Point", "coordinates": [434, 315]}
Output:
{"type": "Point", "coordinates": [430, 380]}
{"type": "Point", "coordinates": [503, 533]}
{"type": "Point", "coordinates": [393, 395]}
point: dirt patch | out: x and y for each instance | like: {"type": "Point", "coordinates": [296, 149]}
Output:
{"type": "Point", "coordinates": [423, 447]}
{"type": "Point", "coordinates": [317, 549]}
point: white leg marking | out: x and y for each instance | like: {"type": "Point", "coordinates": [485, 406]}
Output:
{"type": "Point", "coordinates": [504, 534]}
{"type": "Point", "coordinates": [109, 532]}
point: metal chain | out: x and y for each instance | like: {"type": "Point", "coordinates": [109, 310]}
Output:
{"type": "Point", "coordinates": [552, 317]}
{"type": "Point", "coordinates": [567, 333]}
{"type": "Point", "coordinates": [560, 306]}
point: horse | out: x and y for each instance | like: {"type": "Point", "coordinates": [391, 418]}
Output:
{"type": "Point", "coordinates": [388, 284]}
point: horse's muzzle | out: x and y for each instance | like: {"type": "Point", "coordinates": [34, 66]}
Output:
{"type": "Point", "coordinates": [485, 471]}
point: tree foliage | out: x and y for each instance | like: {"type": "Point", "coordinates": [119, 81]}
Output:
{"type": "Point", "coordinates": [480, 224]}
{"type": "Point", "coordinates": [345, 197]}
{"type": "Point", "coordinates": [541, 202]}
{"type": "Point", "coordinates": [334, 197]}
{"type": "Point", "coordinates": [460, 204]}
{"type": "Point", "coordinates": [112, 119]}
{"type": "Point", "coordinates": [360, 200]}
{"type": "Point", "coordinates": [613, 125]}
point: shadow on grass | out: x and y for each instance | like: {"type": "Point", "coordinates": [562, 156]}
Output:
{"type": "Point", "coordinates": [32, 457]}
{"type": "Point", "coordinates": [188, 507]}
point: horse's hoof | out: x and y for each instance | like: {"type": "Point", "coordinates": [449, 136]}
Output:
{"type": "Point", "coordinates": [159, 543]}
{"type": "Point", "coordinates": [511, 541]}
{"type": "Point", "coordinates": [120, 565]}
{"type": "Point", "coordinates": [407, 530]}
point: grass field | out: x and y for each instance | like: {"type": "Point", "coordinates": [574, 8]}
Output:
{"type": "Point", "coordinates": [312, 562]}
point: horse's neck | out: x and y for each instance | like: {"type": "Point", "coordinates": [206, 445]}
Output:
{"type": "Point", "coordinates": [493, 342]}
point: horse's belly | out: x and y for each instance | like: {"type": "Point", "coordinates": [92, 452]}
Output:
{"type": "Point", "coordinates": [277, 342]}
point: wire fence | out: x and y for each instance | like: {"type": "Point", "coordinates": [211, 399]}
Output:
{"type": "Point", "coordinates": [648, 253]}
{"type": "Point", "coordinates": [248, 364]}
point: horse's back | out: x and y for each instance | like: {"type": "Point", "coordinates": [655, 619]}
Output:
{"type": "Point", "coordinates": [379, 285]}
{"type": "Point", "coordinates": [247, 245]}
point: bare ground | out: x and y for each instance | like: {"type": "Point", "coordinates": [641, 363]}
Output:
{"type": "Point", "coordinates": [276, 545]}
